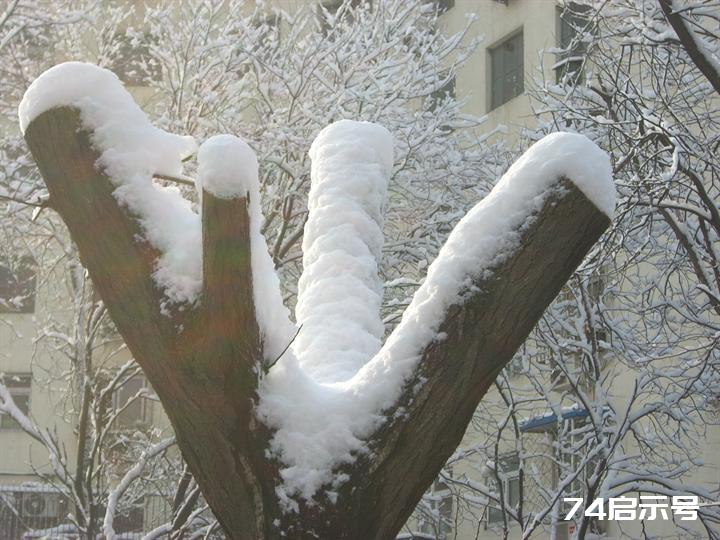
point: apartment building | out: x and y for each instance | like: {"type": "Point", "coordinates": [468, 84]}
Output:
{"type": "Point", "coordinates": [513, 55]}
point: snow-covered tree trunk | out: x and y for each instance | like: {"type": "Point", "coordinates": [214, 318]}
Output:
{"type": "Point", "coordinates": [229, 386]}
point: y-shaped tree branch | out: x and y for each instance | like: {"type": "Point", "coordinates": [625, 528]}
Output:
{"type": "Point", "coordinates": [203, 359]}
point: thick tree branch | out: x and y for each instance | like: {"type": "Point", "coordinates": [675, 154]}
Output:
{"type": "Point", "coordinates": [226, 268]}
{"type": "Point", "coordinates": [202, 371]}
{"type": "Point", "coordinates": [454, 374]}
{"type": "Point", "coordinates": [107, 237]}
{"type": "Point", "coordinates": [691, 44]}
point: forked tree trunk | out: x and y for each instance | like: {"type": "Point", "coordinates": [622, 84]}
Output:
{"type": "Point", "coordinates": [201, 361]}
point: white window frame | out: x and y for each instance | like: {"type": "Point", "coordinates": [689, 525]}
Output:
{"type": "Point", "coordinates": [507, 478]}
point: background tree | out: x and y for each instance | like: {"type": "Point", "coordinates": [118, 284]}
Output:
{"type": "Point", "coordinates": [638, 78]}
{"type": "Point", "coordinates": [280, 77]}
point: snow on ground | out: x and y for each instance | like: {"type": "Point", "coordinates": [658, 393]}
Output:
{"type": "Point", "coordinates": [131, 150]}
{"type": "Point", "coordinates": [326, 394]}
{"type": "Point", "coordinates": [322, 421]}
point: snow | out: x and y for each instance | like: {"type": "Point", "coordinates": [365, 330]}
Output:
{"type": "Point", "coordinates": [228, 168]}
{"type": "Point", "coordinates": [321, 417]}
{"type": "Point", "coordinates": [132, 474]}
{"type": "Point", "coordinates": [340, 294]}
{"type": "Point", "coordinates": [132, 150]}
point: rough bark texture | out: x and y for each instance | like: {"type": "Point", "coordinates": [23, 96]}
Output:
{"type": "Point", "coordinates": [202, 360]}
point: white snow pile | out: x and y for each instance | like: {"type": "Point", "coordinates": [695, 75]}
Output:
{"type": "Point", "coordinates": [321, 414]}
{"type": "Point", "coordinates": [132, 150]}
{"type": "Point", "coordinates": [228, 168]}
{"type": "Point", "coordinates": [340, 293]}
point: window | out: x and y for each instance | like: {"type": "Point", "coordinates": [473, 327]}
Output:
{"type": "Point", "coordinates": [328, 22]}
{"type": "Point", "coordinates": [440, 521]}
{"type": "Point", "coordinates": [573, 21]}
{"type": "Point", "coordinates": [136, 410]}
{"type": "Point", "coordinates": [443, 5]}
{"type": "Point", "coordinates": [17, 286]}
{"type": "Point", "coordinates": [575, 441]}
{"type": "Point", "coordinates": [447, 90]}
{"type": "Point", "coordinates": [506, 70]}
{"type": "Point", "coordinates": [134, 64]}
{"type": "Point", "coordinates": [574, 446]}
{"type": "Point", "coordinates": [508, 471]}
{"type": "Point", "coordinates": [332, 5]}
{"type": "Point", "coordinates": [19, 387]}
{"type": "Point", "coordinates": [596, 286]}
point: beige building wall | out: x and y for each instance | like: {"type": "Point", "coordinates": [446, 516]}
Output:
{"type": "Point", "coordinates": [495, 22]}
{"type": "Point", "coordinates": [20, 455]}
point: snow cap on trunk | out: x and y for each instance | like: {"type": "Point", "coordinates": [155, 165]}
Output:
{"type": "Point", "coordinates": [110, 112]}
{"type": "Point", "coordinates": [227, 167]}
{"type": "Point", "coordinates": [132, 151]}
{"type": "Point", "coordinates": [575, 157]}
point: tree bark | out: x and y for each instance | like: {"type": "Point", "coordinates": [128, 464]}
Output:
{"type": "Point", "coordinates": [203, 361]}
{"type": "Point", "coordinates": [200, 360]}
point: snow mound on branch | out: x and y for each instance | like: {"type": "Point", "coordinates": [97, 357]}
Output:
{"type": "Point", "coordinates": [575, 157]}
{"type": "Point", "coordinates": [322, 425]}
{"type": "Point", "coordinates": [340, 293]}
{"type": "Point", "coordinates": [228, 168]}
{"type": "Point", "coordinates": [132, 150]}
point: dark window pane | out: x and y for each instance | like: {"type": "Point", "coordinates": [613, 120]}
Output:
{"type": "Point", "coordinates": [17, 285]}
{"type": "Point", "coordinates": [332, 7]}
{"type": "Point", "coordinates": [135, 412]}
{"type": "Point", "coordinates": [513, 495]}
{"type": "Point", "coordinates": [495, 515]}
{"type": "Point", "coordinates": [506, 71]}
{"type": "Point", "coordinates": [446, 91]}
{"type": "Point", "coordinates": [573, 23]}
{"type": "Point", "coordinates": [19, 388]}
{"type": "Point", "coordinates": [444, 5]}
{"type": "Point", "coordinates": [134, 64]}
{"type": "Point", "coordinates": [508, 466]}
